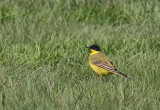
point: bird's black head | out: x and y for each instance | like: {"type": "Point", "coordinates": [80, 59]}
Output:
{"type": "Point", "coordinates": [94, 47]}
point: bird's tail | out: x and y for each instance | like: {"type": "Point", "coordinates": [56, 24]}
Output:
{"type": "Point", "coordinates": [124, 75]}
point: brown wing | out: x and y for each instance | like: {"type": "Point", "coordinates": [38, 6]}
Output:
{"type": "Point", "coordinates": [104, 65]}
{"type": "Point", "coordinates": [113, 66]}
{"type": "Point", "coordinates": [101, 60]}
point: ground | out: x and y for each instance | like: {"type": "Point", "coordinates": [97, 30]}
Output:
{"type": "Point", "coordinates": [44, 59]}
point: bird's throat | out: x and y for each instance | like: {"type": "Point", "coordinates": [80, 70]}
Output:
{"type": "Point", "coordinates": [93, 51]}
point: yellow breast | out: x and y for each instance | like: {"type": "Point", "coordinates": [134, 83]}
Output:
{"type": "Point", "coordinates": [99, 70]}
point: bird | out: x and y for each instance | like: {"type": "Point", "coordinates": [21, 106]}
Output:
{"type": "Point", "coordinates": [100, 63]}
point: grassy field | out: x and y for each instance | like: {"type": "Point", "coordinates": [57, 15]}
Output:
{"type": "Point", "coordinates": [44, 59]}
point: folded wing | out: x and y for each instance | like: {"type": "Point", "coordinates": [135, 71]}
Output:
{"type": "Point", "coordinates": [104, 65]}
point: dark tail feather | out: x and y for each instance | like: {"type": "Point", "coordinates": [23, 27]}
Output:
{"type": "Point", "coordinates": [124, 75]}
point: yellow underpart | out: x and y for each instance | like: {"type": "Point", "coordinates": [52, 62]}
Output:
{"type": "Point", "coordinates": [98, 70]}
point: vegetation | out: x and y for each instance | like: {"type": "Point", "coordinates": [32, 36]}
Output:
{"type": "Point", "coordinates": [44, 59]}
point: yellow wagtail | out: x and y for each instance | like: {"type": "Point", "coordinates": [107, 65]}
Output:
{"type": "Point", "coordinates": [100, 62]}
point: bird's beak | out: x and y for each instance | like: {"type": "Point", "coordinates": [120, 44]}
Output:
{"type": "Point", "coordinates": [87, 47]}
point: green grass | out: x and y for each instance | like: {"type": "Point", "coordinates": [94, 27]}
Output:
{"type": "Point", "coordinates": [44, 60]}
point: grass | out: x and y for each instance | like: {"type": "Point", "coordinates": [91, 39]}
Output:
{"type": "Point", "coordinates": [44, 62]}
